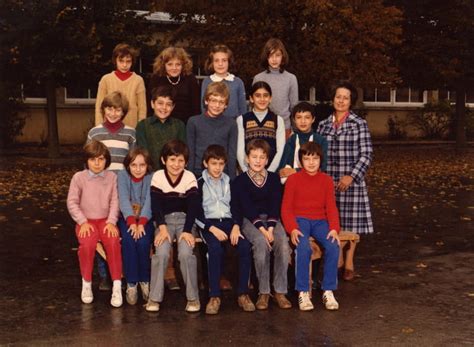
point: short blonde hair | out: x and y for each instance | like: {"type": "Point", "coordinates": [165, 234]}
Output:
{"type": "Point", "coordinates": [116, 100]}
{"type": "Point", "coordinates": [218, 89]}
{"type": "Point", "coordinates": [172, 53]}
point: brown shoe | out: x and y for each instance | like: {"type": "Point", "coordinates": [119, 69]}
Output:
{"type": "Point", "coordinates": [224, 283]}
{"type": "Point", "coordinates": [246, 303]}
{"type": "Point", "coordinates": [282, 301]}
{"type": "Point", "coordinates": [213, 305]}
{"type": "Point", "coordinates": [262, 301]}
{"type": "Point", "coordinates": [348, 275]}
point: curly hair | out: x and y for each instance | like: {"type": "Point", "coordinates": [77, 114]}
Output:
{"type": "Point", "coordinates": [172, 53]}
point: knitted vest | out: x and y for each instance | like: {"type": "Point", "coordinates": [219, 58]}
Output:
{"type": "Point", "coordinates": [265, 130]}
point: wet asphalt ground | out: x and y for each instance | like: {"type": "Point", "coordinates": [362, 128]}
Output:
{"type": "Point", "coordinates": [414, 284]}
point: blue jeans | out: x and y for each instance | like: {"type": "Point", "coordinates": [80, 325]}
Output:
{"type": "Point", "coordinates": [136, 253]}
{"type": "Point", "coordinates": [319, 230]}
{"type": "Point", "coordinates": [216, 258]}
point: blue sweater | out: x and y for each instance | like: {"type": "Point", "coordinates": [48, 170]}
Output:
{"type": "Point", "coordinates": [131, 192]}
{"type": "Point", "coordinates": [237, 101]}
{"type": "Point", "coordinates": [250, 200]}
{"type": "Point", "coordinates": [202, 131]}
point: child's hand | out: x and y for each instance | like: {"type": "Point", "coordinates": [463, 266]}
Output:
{"type": "Point", "coordinates": [344, 183]}
{"type": "Point", "coordinates": [218, 233]}
{"type": "Point", "coordinates": [266, 236]}
{"type": "Point", "coordinates": [333, 234]}
{"type": "Point", "coordinates": [140, 231]}
{"type": "Point", "coordinates": [162, 235]}
{"type": "Point", "coordinates": [189, 238]}
{"type": "Point", "coordinates": [235, 234]}
{"type": "Point", "coordinates": [271, 238]}
{"type": "Point", "coordinates": [111, 230]}
{"type": "Point", "coordinates": [133, 230]}
{"type": "Point", "coordinates": [86, 230]}
{"type": "Point", "coordinates": [286, 171]}
{"type": "Point", "coordinates": [295, 236]}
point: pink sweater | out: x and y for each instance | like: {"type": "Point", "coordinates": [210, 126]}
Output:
{"type": "Point", "coordinates": [93, 197]}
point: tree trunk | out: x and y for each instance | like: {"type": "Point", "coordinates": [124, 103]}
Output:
{"type": "Point", "coordinates": [53, 137]}
{"type": "Point", "coordinates": [461, 141]}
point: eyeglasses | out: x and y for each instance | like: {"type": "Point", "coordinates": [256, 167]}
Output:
{"type": "Point", "coordinates": [217, 101]}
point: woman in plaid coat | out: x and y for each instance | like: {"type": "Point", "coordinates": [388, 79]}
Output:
{"type": "Point", "coordinates": [349, 156]}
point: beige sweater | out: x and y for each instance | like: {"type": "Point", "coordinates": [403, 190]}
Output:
{"type": "Point", "coordinates": [134, 90]}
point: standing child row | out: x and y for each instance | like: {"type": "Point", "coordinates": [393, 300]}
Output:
{"type": "Point", "coordinates": [173, 68]}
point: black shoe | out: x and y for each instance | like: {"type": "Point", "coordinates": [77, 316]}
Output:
{"type": "Point", "coordinates": [104, 284]}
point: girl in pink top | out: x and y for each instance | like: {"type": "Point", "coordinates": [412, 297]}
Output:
{"type": "Point", "coordinates": [93, 203]}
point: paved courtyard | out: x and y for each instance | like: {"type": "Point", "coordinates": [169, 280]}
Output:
{"type": "Point", "coordinates": [414, 284]}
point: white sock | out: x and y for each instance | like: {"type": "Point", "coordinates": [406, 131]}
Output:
{"type": "Point", "coordinates": [86, 284]}
{"type": "Point", "coordinates": [117, 285]}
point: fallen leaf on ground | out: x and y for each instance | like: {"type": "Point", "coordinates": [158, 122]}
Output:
{"type": "Point", "coordinates": [408, 330]}
{"type": "Point", "coordinates": [421, 265]}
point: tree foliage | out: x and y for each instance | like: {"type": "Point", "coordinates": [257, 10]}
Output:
{"type": "Point", "coordinates": [437, 49]}
{"type": "Point", "coordinates": [61, 42]}
{"type": "Point", "coordinates": [326, 40]}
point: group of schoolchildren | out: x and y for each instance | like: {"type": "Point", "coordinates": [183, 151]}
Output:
{"type": "Point", "coordinates": [166, 182]}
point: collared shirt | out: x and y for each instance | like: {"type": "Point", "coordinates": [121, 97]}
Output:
{"type": "Point", "coordinates": [216, 196]}
{"type": "Point", "coordinates": [214, 78]}
{"type": "Point", "coordinates": [93, 175]}
{"type": "Point", "coordinates": [258, 178]}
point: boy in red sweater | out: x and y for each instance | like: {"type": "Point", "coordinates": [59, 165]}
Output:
{"type": "Point", "coordinates": [309, 209]}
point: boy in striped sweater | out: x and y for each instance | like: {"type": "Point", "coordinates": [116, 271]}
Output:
{"type": "Point", "coordinates": [118, 137]}
{"type": "Point", "coordinates": [175, 206]}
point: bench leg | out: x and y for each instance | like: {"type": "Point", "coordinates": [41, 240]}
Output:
{"type": "Point", "coordinates": [349, 263]}
{"type": "Point", "coordinates": [340, 262]}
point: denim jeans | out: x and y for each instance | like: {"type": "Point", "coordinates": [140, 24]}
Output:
{"type": "Point", "coordinates": [319, 230]}
{"type": "Point", "coordinates": [261, 256]}
{"type": "Point", "coordinates": [136, 253]}
{"type": "Point", "coordinates": [216, 258]}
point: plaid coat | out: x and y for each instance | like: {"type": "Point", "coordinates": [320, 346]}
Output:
{"type": "Point", "coordinates": [350, 153]}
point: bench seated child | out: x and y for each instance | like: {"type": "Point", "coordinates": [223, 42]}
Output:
{"type": "Point", "coordinates": [309, 209]}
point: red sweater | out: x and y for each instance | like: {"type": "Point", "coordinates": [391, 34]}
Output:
{"type": "Point", "coordinates": [310, 197]}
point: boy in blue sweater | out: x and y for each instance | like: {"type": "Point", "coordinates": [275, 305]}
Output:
{"type": "Point", "coordinates": [256, 200]}
{"type": "Point", "coordinates": [218, 226]}
{"type": "Point", "coordinates": [302, 117]}
{"type": "Point", "coordinates": [212, 128]}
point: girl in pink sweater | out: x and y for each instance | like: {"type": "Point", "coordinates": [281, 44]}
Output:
{"type": "Point", "coordinates": [93, 203]}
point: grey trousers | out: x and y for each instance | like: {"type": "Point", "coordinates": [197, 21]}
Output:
{"type": "Point", "coordinates": [261, 256]}
{"type": "Point", "coordinates": [187, 261]}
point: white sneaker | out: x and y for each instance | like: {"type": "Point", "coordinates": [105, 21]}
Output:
{"type": "Point", "coordinates": [145, 287]}
{"type": "Point", "coordinates": [193, 306]}
{"type": "Point", "coordinates": [116, 299]}
{"type": "Point", "coordinates": [152, 306]}
{"type": "Point", "coordinates": [329, 301]}
{"type": "Point", "coordinates": [86, 294]}
{"type": "Point", "coordinates": [131, 294]}
{"type": "Point", "coordinates": [305, 302]}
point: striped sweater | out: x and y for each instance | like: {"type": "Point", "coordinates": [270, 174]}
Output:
{"type": "Point", "coordinates": [180, 196]}
{"type": "Point", "coordinates": [118, 143]}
